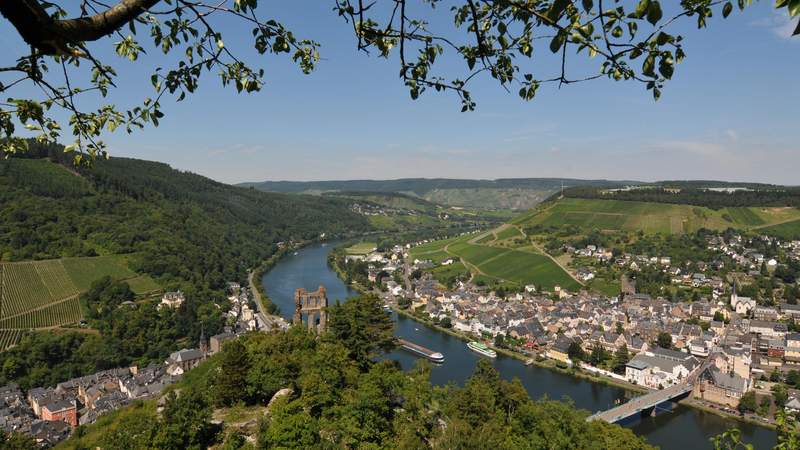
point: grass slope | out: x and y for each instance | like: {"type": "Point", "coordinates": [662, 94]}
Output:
{"type": "Point", "coordinates": [652, 217]}
{"type": "Point", "coordinates": [786, 230]}
{"type": "Point", "coordinates": [495, 264]}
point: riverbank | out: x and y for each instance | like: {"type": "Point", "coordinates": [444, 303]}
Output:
{"type": "Point", "coordinates": [543, 363]}
{"type": "Point", "coordinates": [552, 365]}
{"type": "Point", "coordinates": [696, 404]}
{"type": "Point", "coordinates": [257, 274]}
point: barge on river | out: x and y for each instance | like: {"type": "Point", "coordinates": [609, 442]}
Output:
{"type": "Point", "coordinates": [421, 351]}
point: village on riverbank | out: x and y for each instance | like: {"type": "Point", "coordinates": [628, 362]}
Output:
{"type": "Point", "coordinates": [742, 354]}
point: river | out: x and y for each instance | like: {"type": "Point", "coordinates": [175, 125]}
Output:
{"type": "Point", "coordinates": [683, 428]}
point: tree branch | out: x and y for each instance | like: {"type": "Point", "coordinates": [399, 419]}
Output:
{"type": "Point", "coordinates": [51, 36]}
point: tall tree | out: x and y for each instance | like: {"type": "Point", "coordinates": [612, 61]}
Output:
{"type": "Point", "coordinates": [664, 340]}
{"type": "Point", "coordinates": [621, 358]}
{"type": "Point", "coordinates": [363, 327]}
{"type": "Point", "coordinates": [232, 375]}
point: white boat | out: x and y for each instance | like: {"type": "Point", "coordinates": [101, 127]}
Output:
{"type": "Point", "coordinates": [481, 349]}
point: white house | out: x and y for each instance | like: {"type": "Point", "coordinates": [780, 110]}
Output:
{"type": "Point", "coordinates": [660, 368]}
{"type": "Point", "coordinates": [172, 300]}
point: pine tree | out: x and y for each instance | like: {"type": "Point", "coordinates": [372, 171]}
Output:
{"type": "Point", "coordinates": [232, 374]}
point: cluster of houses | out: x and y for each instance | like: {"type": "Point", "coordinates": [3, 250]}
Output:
{"type": "Point", "coordinates": [741, 250]}
{"type": "Point", "coordinates": [738, 252]}
{"type": "Point", "coordinates": [727, 343]}
{"type": "Point", "coordinates": [374, 209]}
{"type": "Point", "coordinates": [49, 414]}
{"type": "Point", "coordinates": [379, 264]}
{"type": "Point", "coordinates": [241, 317]}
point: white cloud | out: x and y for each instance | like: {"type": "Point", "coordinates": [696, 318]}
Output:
{"type": "Point", "coordinates": [778, 23]}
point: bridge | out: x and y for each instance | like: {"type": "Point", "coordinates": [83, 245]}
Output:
{"type": "Point", "coordinates": [643, 404]}
{"type": "Point", "coordinates": [649, 402]}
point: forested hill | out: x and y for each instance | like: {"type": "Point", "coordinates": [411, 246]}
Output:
{"type": "Point", "coordinates": [186, 231]}
{"type": "Point", "coordinates": [181, 227]}
{"type": "Point", "coordinates": [713, 195]}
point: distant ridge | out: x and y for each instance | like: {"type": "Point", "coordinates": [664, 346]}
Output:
{"type": "Point", "coordinates": [420, 186]}
{"type": "Point", "coordinates": [502, 193]}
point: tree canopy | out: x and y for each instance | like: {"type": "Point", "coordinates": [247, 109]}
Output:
{"type": "Point", "coordinates": [630, 40]}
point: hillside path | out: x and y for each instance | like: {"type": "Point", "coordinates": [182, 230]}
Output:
{"type": "Point", "coordinates": [541, 250]}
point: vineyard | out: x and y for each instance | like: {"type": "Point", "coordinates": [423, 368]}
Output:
{"type": "Point", "coordinates": [45, 294]}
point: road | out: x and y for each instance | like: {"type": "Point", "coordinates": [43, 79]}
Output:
{"type": "Point", "coordinates": [270, 321]}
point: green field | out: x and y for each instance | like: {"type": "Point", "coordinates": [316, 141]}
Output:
{"type": "Point", "coordinates": [508, 233]}
{"type": "Point", "coordinates": [476, 254]}
{"type": "Point", "coordinates": [424, 250]}
{"type": "Point", "coordinates": [84, 271]}
{"type": "Point", "coordinates": [444, 274]}
{"type": "Point", "coordinates": [495, 264]}
{"type": "Point", "coordinates": [361, 248]}
{"type": "Point", "coordinates": [787, 230]}
{"type": "Point", "coordinates": [528, 268]}
{"type": "Point", "coordinates": [44, 294]}
{"type": "Point", "coordinates": [485, 239]}
{"type": "Point", "coordinates": [652, 217]}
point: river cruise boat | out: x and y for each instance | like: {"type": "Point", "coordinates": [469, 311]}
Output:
{"type": "Point", "coordinates": [481, 349]}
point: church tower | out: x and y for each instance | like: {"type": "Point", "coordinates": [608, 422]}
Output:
{"type": "Point", "coordinates": [203, 341]}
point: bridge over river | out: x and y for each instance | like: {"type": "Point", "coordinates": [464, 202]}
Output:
{"type": "Point", "coordinates": [650, 401]}
{"type": "Point", "coordinates": [644, 403]}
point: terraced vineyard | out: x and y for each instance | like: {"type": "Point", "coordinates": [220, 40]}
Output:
{"type": "Point", "coordinates": [9, 337]}
{"type": "Point", "coordinates": [45, 294]}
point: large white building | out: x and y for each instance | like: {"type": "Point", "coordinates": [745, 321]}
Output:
{"type": "Point", "coordinates": [660, 368]}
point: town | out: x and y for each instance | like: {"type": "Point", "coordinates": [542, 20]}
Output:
{"type": "Point", "coordinates": [742, 352]}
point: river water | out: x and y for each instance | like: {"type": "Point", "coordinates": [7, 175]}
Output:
{"type": "Point", "coordinates": [683, 428]}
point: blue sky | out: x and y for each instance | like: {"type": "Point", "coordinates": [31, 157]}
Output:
{"type": "Point", "coordinates": [729, 113]}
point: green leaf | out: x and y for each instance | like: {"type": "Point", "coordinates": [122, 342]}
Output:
{"type": "Point", "coordinates": [557, 42]}
{"type": "Point", "coordinates": [654, 12]}
{"type": "Point", "coordinates": [666, 67]}
{"type": "Point", "coordinates": [649, 65]}
{"type": "Point", "coordinates": [726, 10]}
{"type": "Point", "coordinates": [557, 9]}
{"type": "Point", "coordinates": [796, 30]}
{"type": "Point", "coordinates": [794, 7]}
{"type": "Point", "coordinates": [587, 5]}
{"type": "Point", "coordinates": [641, 9]}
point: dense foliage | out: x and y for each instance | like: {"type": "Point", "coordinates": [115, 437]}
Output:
{"type": "Point", "coordinates": [698, 194]}
{"type": "Point", "coordinates": [183, 227]}
{"type": "Point", "coordinates": [339, 400]}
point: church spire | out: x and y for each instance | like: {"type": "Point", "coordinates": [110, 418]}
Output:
{"type": "Point", "coordinates": [203, 340]}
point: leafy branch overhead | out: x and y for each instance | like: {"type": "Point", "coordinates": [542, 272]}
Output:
{"type": "Point", "coordinates": [629, 40]}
